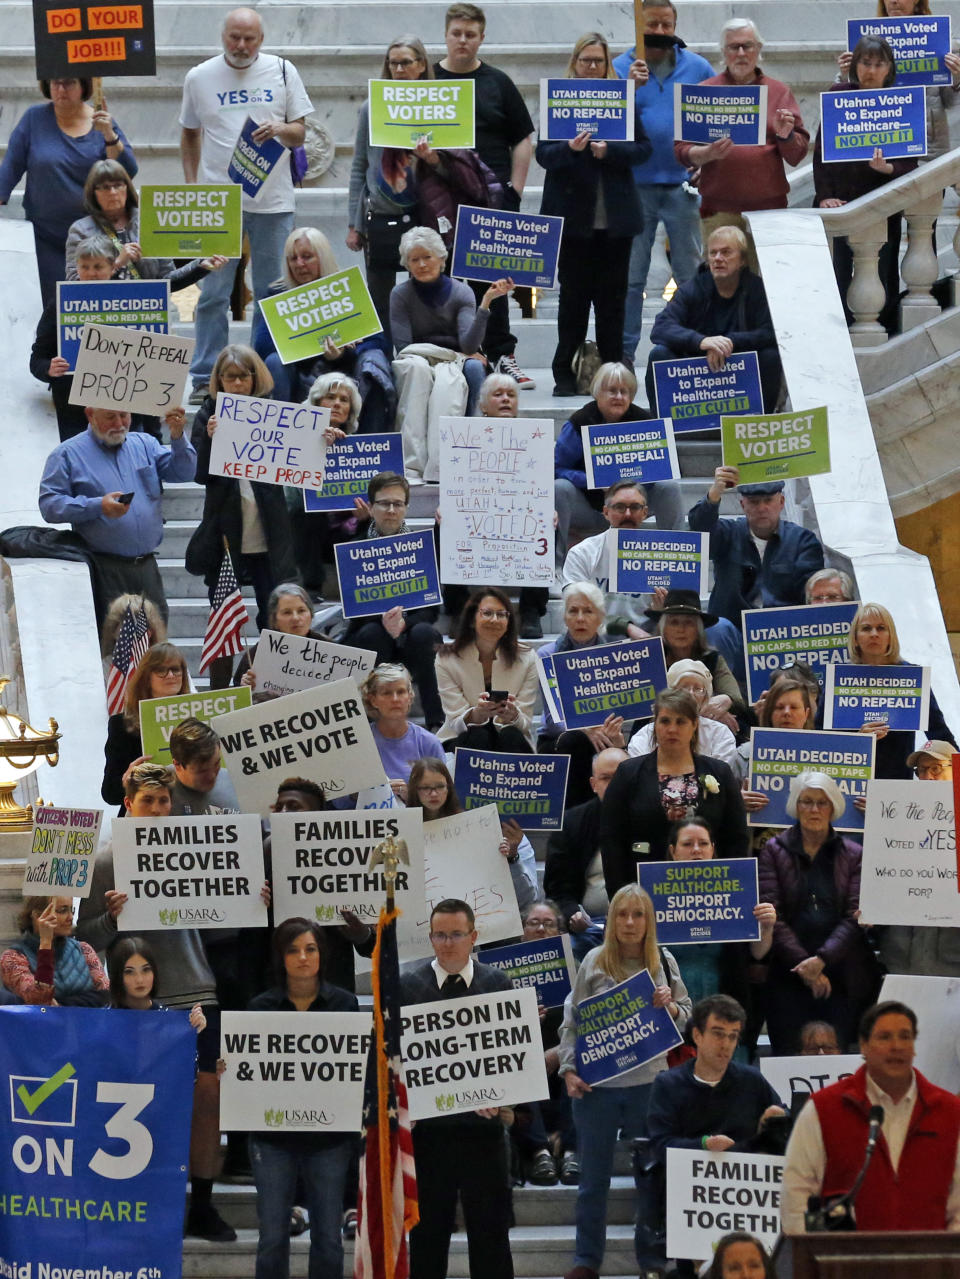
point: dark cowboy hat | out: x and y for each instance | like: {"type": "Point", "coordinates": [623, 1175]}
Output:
{"type": "Point", "coordinates": [682, 604]}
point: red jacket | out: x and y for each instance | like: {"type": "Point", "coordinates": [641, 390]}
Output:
{"type": "Point", "coordinates": [915, 1196]}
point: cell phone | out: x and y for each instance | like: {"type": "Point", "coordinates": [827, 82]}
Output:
{"type": "Point", "coordinates": [126, 498]}
{"type": "Point", "coordinates": [498, 694]}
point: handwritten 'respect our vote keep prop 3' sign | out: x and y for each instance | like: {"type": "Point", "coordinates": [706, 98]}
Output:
{"type": "Point", "coordinates": [191, 220]}
{"type": "Point", "coordinates": [697, 398]}
{"type": "Point", "coordinates": [269, 441]}
{"type": "Point", "coordinates": [401, 112]}
{"type": "Point", "coordinates": [854, 122]}
{"type": "Point", "coordinates": [338, 307]}
{"type": "Point", "coordinates": [919, 42]}
{"type": "Point", "coordinates": [704, 113]}
{"type": "Point", "coordinates": [602, 108]}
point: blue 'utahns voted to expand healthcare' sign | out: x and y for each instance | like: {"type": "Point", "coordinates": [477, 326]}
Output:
{"type": "Point", "coordinates": [776, 637]}
{"type": "Point", "coordinates": [919, 42]}
{"type": "Point", "coordinates": [620, 1029]}
{"type": "Point", "coordinates": [898, 696]}
{"type": "Point", "coordinates": [602, 108]}
{"type": "Point", "coordinates": [381, 572]}
{"type": "Point", "coordinates": [492, 243]}
{"type": "Point", "coordinates": [351, 463]}
{"type": "Point", "coordinates": [854, 122]}
{"type": "Point", "coordinates": [709, 901]}
{"type": "Point", "coordinates": [696, 398]}
{"type": "Point", "coordinates": [615, 679]}
{"type": "Point", "coordinates": [531, 789]}
{"type": "Point", "coordinates": [704, 113]}
{"type": "Point", "coordinates": [778, 754]}
{"type": "Point", "coordinates": [641, 451]}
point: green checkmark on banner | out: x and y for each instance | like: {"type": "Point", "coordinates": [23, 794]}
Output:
{"type": "Point", "coordinates": [32, 1101]}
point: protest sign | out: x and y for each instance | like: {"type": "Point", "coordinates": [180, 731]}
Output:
{"type": "Point", "coordinates": [778, 754]}
{"type": "Point", "coordinates": [350, 466]}
{"type": "Point", "coordinates": [135, 372]}
{"type": "Point", "coordinates": [548, 687]}
{"type": "Point", "coordinates": [710, 1193]}
{"type": "Point", "coordinates": [190, 872]}
{"type": "Point", "coordinates": [323, 731]}
{"type": "Point", "coordinates": [377, 573]}
{"type": "Point", "coordinates": [496, 495]}
{"type": "Point", "coordinates": [620, 1029]}
{"type": "Point", "coordinates": [612, 679]}
{"type": "Point", "coordinates": [95, 1144]}
{"type": "Point", "coordinates": [62, 850]}
{"type": "Point", "coordinates": [641, 451]}
{"type": "Point", "coordinates": [293, 1071]}
{"type": "Point", "coordinates": [696, 399]}
{"type": "Point", "coordinates": [703, 901]}
{"type": "Point", "coordinates": [531, 789]}
{"type": "Point", "coordinates": [704, 113]}
{"type": "Point", "coordinates": [469, 1053]}
{"type": "Point", "coordinates": [253, 162]}
{"type": "Point", "coordinates": [401, 112]}
{"type": "Point", "coordinates": [159, 716]}
{"type": "Point", "coordinates": [854, 122]}
{"type": "Point", "coordinates": [793, 1079]}
{"type": "Point", "coordinates": [920, 44]}
{"type": "Point", "coordinates": [491, 243]}
{"type": "Point", "coordinates": [909, 869]}
{"type": "Point", "coordinates": [321, 863]}
{"type": "Point", "coordinates": [132, 304]}
{"type": "Point", "coordinates": [381, 796]}
{"type": "Point", "coordinates": [269, 441]}
{"type": "Point", "coordinates": [546, 965]}
{"type": "Point", "coordinates": [936, 1001]}
{"type": "Point", "coordinates": [776, 446]}
{"type": "Point", "coordinates": [641, 559]}
{"type": "Point", "coordinates": [290, 663]}
{"type": "Point", "coordinates": [898, 696]}
{"type": "Point", "coordinates": [338, 307]}
{"type": "Point", "coordinates": [191, 220]}
{"type": "Point", "coordinates": [602, 108]}
{"type": "Point", "coordinates": [89, 38]}
{"type": "Point", "coordinates": [811, 633]}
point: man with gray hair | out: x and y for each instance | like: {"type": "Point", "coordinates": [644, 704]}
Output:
{"type": "Point", "coordinates": [829, 586]}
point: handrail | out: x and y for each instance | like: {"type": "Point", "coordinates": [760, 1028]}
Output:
{"type": "Point", "coordinates": [893, 197]}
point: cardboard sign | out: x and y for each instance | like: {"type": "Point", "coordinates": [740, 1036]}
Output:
{"type": "Point", "coordinates": [321, 863]}
{"type": "Point", "coordinates": [293, 1072]}
{"type": "Point", "coordinates": [269, 441]}
{"type": "Point", "coordinates": [191, 220]}
{"type": "Point", "coordinates": [350, 466]}
{"type": "Point", "coordinates": [642, 559]}
{"type": "Point", "coordinates": [778, 754]}
{"type": "Point", "coordinates": [401, 112]}
{"type": "Point", "coordinates": [291, 663]}
{"type": "Point", "coordinates": [253, 162]}
{"type": "Point", "coordinates": [190, 872]}
{"type": "Point", "coordinates": [776, 446]}
{"type": "Point", "coordinates": [473, 1052]}
{"type": "Point", "coordinates": [620, 1029]}
{"type": "Point", "coordinates": [811, 633]}
{"type": "Point", "coordinates": [602, 108]}
{"type": "Point", "coordinates": [492, 243]}
{"type": "Point", "coordinates": [920, 44]}
{"type": "Point", "coordinates": [909, 870]}
{"type": "Point", "coordinates": [696, 399]}
{"type": "Point", "coordinates": [613, 679]}
{"type": "Point", "coordinates": [159, 716]}
{"type": "Point", "coordinates": [701, 1186]}
{"type": "Point", "coordinates": [496, 495]}
{"type": "Point", "coordinates": [531, 789]}
{"type": "Point", "coordinates": [936, 1001]}
{"type": "Point", "coordinates": [134, 372]}
{"type": "Point", "coordinates": [547, 966]}
{"type": "Point", "coordinates": [641, 451]}
{"type": "Point", "coordinates": [90, 38]}
{"type": "Point", "coordinates": [854, 122]}
{"type": "Point", "coordinates": [322, 732]}
{"type": "Point", "coordinates": [709, 901]}
{"type": "Point", "coordinates": [898, 696]}
{"type": "Point", "coordinates": [377, 573]}
{"type": "Point", "coordinates": [704, 113]}
{"type": "Point", "coordinates": [793, 1078]}
{"type": "Point", "coordinates": [62, 851]}
{"type": "Point", "coordinates": [338, 307]}
{"type": "Point", "coordinates": [133, 304]}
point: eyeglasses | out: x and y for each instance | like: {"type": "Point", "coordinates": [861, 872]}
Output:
{"type": "Point", "coordinates": [929, 770]}
{"type": "Point", "coordinates": [401, 64]}
{"type": "Point", "coordinates": [110, 186]}
{"type": "Point", "coordinates": [591, 62]}
{"type": "Point", "coordinates": [168, 670]}
{"type": "Point", "coordinates": [493, 615]}
{"type": "Point", "coordinates": [747, 46]}
{"type": "Point", "coordinates": [814, 803]}
{"type": "Point", "coordinates": [627, 508]}
{"type": "Point", "coordinates": [389, 506]}
{"type": "Point", "coordinates": [445, 937]}
{"type": "Point", "coordinates": [431, 789]}
{"type": "Point", "coordinates": [543, 925]}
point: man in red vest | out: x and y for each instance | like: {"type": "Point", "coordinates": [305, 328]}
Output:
{"type": "Point", "coordinates": [913, 1182]}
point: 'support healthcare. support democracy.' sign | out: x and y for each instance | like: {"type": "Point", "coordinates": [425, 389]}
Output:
{"type": "Point", "coordinates": [620, 1029]}
{"type": "Point", "coordinates": [709, 901]}
{"type": "Point", "coordinates": [696, 398]}
{"type": "Point", "coordinates": [492, 243]}
{"type": "Point", "coordinates": [191, 221]}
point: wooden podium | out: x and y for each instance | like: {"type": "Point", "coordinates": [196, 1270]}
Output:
{"type": "Point", "coordinates": [870, 1255]}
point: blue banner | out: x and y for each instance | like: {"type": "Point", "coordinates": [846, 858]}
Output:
{"type": "Point", "coordinates": [97, 1135]}
{"type": "Point", "coordinates": [703, 901]}
{"type": "Point", "coordinates": [133, 304]}
{"type": "Point", "coordinates": [529, 788]}
{"type": "Point", "coordinates": [545, 965]}
{"type": "Point", "coordinates": [602, 108]}
{"type": "Point", "coordinates": [643, 559]}
{"type": "Point", "coordinates": [493, 243]}
{"type": "Point", "coordinates": [854, 122]}
{"type": "Point", "coordinates": [620, 1029]}
{"type": "Point", "coordinates": [377, 573]}
{"type": "Point", "coordinates": [642, 451]}
{"type": "Point", "coordinates": [615, 679]}
{"type": "Point", "coordinates": [775, 637]}
{"type": "Point", "coordinates": [696, 399]}
{"type": "Point", "coordinates": [898, 696]}
{"type": "Point", "coordinates": [919, 43]}
{"type": "Point", "coordinates": [253, 162]}
{"type": "Point", "coordinates": [777, 754]}
{"type": "Point", "coordinates": [351, 464]}
{"type": "Point", "coordinates": [703, 113]}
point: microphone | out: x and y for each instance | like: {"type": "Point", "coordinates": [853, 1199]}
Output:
{"type": "Point", "coordinates": [836, 1214]}
{"type": "Point", "coordinates": [875, 1119]}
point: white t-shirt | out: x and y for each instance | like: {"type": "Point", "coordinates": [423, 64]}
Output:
{"type": "Point", "coordinates": [217, 98]}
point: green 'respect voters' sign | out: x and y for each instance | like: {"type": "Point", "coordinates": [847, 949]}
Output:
{"type": "Point", "coordinates": [776, 446]}
{"type": "Point", "coordinates": [159, 716]}
{"type": "Point", "coordinates": [404, 111]}
{"type": "Point", "coordinates": [338, 307]}
{"type": "Point", "coordinates": [191, 221]}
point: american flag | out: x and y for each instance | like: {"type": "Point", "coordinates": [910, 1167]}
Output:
{"type": "Point", "coordinates": [133, 640]}
{"type": "Point", "coordinates": [387, 1209]}
{"type": "Point", "coordinates": [228, 617]}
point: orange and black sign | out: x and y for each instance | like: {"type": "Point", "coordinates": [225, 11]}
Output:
{"type": "Point", "coordinates": [92, 38]}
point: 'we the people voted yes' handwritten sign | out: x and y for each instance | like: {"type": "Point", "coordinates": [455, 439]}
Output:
{"type": "Point", "coordinates": [909, 870]}
{"type": "Point", "coordinates": [269, 441]}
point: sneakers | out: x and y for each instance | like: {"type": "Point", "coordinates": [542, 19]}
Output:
{"type": "Point", "coordinates": [199, 393]}
{"type": "Point", "coordinates": [508, 364]}
{"type": "Point", "coordinates": [348, 1227]}
{"type": "Point", "coordinates": [569, 1169]}
{"type": "Point", "coordinates": [206, 1223]}
{"type": "Point", "coordinates": [543, 1171]}
{"type": "Point", "coordinates": [298, 1222]}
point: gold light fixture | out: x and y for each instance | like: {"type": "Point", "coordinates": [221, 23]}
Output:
{"type": "Point", "coordinates": [22, 750]}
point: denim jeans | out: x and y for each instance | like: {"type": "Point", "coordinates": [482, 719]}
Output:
{"type": "Point", "coordinates": [680, 214]}
{"type": "Point", "coordinates": [266, 233]}
{"type": "Point", "coordinates": [275, 1170]}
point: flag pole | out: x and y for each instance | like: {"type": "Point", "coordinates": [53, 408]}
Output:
{"type": "Point", "coordinates": [638, 30]}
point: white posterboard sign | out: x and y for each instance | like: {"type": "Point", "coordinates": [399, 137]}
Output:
{"type": "Point", "coordinates": [710, 1193]}
{"type": "Point", "coordinates": [130, 370]}
{"type": "Point", "coordinates": [791, 1077]}
{"type": "Point", "coordinates": [269, 441]}
{"type": "Point", "coordinates": [291, 663]}
{"type": "Point", "coordinates": [909, 869]}
{"type": "Point", "coordinates": [936, 1001]}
